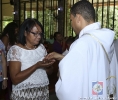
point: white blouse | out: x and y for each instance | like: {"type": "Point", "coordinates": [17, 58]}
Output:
{"type": "Point", "coordinates": [28, 58]}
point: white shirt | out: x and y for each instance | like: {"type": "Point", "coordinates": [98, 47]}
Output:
{"type": "Point", "coordinates": [85, 65]}
{"type": "Point", "coordinates": [27, 59]}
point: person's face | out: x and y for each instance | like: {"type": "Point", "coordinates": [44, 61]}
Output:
{"type": "Point", "coordinates": [34, 36]}
{"type": "Point", "coordinates": [75, 23]}
{"type": "Point", "coordinates": [59, 37]}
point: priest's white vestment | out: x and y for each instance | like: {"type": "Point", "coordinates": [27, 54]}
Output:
{"type": "Point", "coordinates": [85, 72]}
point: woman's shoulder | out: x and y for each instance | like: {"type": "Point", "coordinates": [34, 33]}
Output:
{"type": "Point", "coordinates": [15, 47]}
{"type": "Point", "coordinates": [41, 46]}
{"type": "Point", "coordinates": [15, 50]}
{"type": "Point", "coordinates": [19, 46]}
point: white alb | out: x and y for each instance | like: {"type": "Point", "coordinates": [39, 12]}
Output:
{"type": "Point", "coordinates": [85, 72]}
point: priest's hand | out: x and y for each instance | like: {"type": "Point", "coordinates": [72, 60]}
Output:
{"type": "Point", "coordinates": [53, 56]}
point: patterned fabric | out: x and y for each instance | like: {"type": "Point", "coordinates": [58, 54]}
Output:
{"type": "Point", "coordinates": [28, 88]}
{"type": "Point", "coordinates": [40, 93]}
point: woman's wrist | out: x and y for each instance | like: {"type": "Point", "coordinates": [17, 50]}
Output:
{"type": "Point", "coordinates": [37, 65]}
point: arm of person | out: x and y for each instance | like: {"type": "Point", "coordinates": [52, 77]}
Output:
{"type": "Point", "coordinates": [18, 76]}
{"type": "Point", "coordinates": [53, 56]}
{"type": "Point", "coordinates": [4, 67]}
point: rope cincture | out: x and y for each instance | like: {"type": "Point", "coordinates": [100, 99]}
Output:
{"type": "Point", "coordinates": [101, 45]}
{"type": "Point", "coordinates": [110, 77]}
{"type": "Point", "coordinates": [104, 51]}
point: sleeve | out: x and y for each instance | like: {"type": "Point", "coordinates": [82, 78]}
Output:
{"type": "Point", "coordinates": [73, 73]}
{"type": "Point", "coordinates": [44, 51]}
{"type": "Point", "coordinates": [13, 54]}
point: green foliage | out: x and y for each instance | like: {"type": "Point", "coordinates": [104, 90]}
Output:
{"type": "Point", "coordinates": [6, 20]}
{"type": "Point", "coordinates": [50, 19]}
{"type": "Point", "coordinates": [108, 21]}
{"type": "Point", "coordinates": [50, 23]}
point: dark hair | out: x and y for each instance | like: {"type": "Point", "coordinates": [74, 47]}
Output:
{"type": "Point", "coordinates": [10, 31]}
{"type": "Point", "coordinates": [85, 9]}
{"type": "Point", "coordinates": [55, 35]}
{"type": "Point", "coordinates": [27, 26]}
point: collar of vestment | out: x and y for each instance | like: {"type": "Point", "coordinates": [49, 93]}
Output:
{"type": "Point", "coordinates": [89, 27]}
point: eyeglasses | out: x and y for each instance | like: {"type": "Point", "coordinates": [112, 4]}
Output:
{"type": "Point", "coordinates": [36, 34]}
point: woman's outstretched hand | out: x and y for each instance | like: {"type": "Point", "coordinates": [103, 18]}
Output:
{"type": "Point", "coordinates": [45, 64]}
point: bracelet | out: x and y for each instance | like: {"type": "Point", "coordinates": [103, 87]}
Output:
{"type": "Point", "coordinates": [5, 78]}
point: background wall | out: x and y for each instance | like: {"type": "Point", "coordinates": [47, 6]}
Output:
{"type": "Point", "coordinates": [7, 9]}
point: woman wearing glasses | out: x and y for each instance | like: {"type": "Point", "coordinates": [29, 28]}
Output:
{"type": "Point", "coordinates": [27, 70]}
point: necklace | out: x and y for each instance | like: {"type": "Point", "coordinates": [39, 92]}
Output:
{"type": "Point", "coordinates": [29, 47]}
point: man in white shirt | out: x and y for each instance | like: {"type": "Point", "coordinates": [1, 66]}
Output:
{"type": "Point", "coordinates": [88, 71]}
